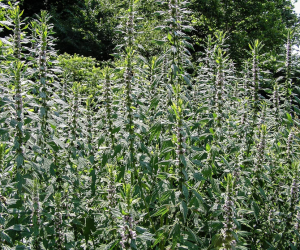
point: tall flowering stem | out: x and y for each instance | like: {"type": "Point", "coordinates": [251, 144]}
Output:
{"type": "Point", "coordinates": [260, 152]}
{"type": "Point", "coordinates": [289, 145]}
{"type": "Point", "coordinates": [128, 78]}
{"type": "Point", "coordinates": [178, 56]}
{"type": "Point", "coordinates": [288, 60]}
{"type": "Point", "coordinates": [180, 139]}
{"type": "Point", "coordinates": [19, 116]}
{"type": "Point", "coordinates": [229, 227]}
{"type": "Point", "coordinates": [128, 82]}
{"type": "Point", "coordinates": [128, 232]}
{"type": "Point", "coordinates": [276, 103]}
{"type": "Point", "coordinates": [255, 47]}
{"type": "Point", "coordinates": [36, 217]}
{"type": "Point", "coordinates": [34, 38]}
{"type": "Point", "coordinates": [17, 70]}
{"type": "Point", "coordinates": [58, 223]}
{"type": "Point", "coordinates": [127, 229]}
{"type": "Point", "coordinates": [2, 154]}
{"type": "Point", "coordinates": [43, 33]}
{"type": "Point", "coordinates": [292, 211]}
{"type": "Point", "coordinates": [73, 122]}
{"type": "Point", "coordinates": [16, 14]}
{"type": "Point", "coordinates": [111, 190]}
{"type": "Point", "coordinates": [108, 107]}
{"type": "Point", "coordinates": [219, 86]}
{"type": "Point", "coordinates": [89, 125]}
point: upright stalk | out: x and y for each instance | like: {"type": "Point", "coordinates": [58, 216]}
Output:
{"type": "Point", "coordinates": [288, 82]}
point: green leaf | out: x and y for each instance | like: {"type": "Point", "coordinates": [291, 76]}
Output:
{"type": "Point", "coordinates": [175, 69]}
{"type": "Point", "coordinates": [165, 195]}
{"type": "Point", "coordinates": [184, 210]}
{"type": "Point", "coordinates": [155, 131]}
{"type": "Point", "coordinates": [289, 117]}
{"type": "Point", "coordinates": [159, 27]}
{"type": "Point", "coordinates": [187, 81]}
{"type": "Point", "coordinates": [198, 196]}
{"type": "Point", "coordinates": [255, 208]}
{"type": "Point", "coordinates": [170, 38]}
{"type": "Point", "coordinates": [20, 160]}
{"type": "Point", "coordinates": [18, 227]}
{"type": "Point", "coordinates": [162, 210]}
{"type": "Point", "coordinates": [58, 142]}
{"type": "Point", "coordinates": [262, 192]}
{"type": "Point", "coordinates": [116, 130]}
{"type": "Point", "coordinates": [297, 99]}
{"type": "Point", "coordinates": [117, 149]}
{"type": "Point", "coordinates": [225, 161]}
{"type": "Point", "coordinates": [27, 121]}
{"type": "Point", "coordinates": [111, 245]}
{"type": "Point", "coordinates": [215, 186]}
{"type": "Point", "coordinates": [185, 192]}
{"type": "Point", "coordinates": [159, 42]}
{"type": "Point", "coordinates": [182, 159]}
{"type": "Point", "coordinates": [206, 171]}
{"type": "Point", "coordinates": [198, 176]}
{"type": "Point", "coordinates": [53, 146]}
{"type": "Point", "coordinates": [216, 240]}
{"type": "Point", "coordinates": [21, 247]}
{"type": "Point", "coordinates": [159, 239]}
{"type": "Point", "coordinates": [5, 237]}
{"type": "Point", "coordinates": [3, 131]}
{"type": "Point", "coordinates": [297, 110]}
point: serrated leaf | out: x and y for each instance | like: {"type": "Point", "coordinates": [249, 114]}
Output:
{"type": "Point", "coordinates": [184, 210]}
{"type": "Point", "coordinates": [159, 27]}
{"type": "Point", "coordinates": [159, 42]}
{"type": "Point", "coordinates": [198, 176]}
{"type": "Point", "coordinates": [289, 117]}
{"type": "Point", "coordinates": [5, 237]}
{"type": "Point", "coordinates": [3, 131]}
{"type": "Point", "coordinates": [17, 227]}
{"type": "Point", "coordinates": [255, 209]}
{"type": "Point", "coordinates": [185, 192]}
{"type": "Point", "coordinates": [165, 196]}
{"type": "Point", "coordinates": [162, 210]}
{"type": "Point", "coordinates": [198, 196]}
{"type": "Point", "coordinates": [158, 239]}
{"type": "Point", "coordinates": [187, 81]}
{"type": "Point", "coordinates": [20, 160]}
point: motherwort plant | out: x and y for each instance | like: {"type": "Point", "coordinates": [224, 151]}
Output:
{"type": "Point", "coordinates": [229, 225]}
{"type": "Point", "coordinates": [128, 80]}
{"type": "Point", "coordinates": [288, 67]}
{"type": "Point", "coordinates": [17, 70]}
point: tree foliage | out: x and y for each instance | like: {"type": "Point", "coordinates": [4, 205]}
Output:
{"type": "Point", "coordinates": [245, 21]}
{"type": "Point", "coordinates": [88, 27]}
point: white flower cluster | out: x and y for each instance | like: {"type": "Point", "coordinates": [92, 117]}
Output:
{"type": "Point", "coordinates": [111, 194]}
{"type": "Point", "coordinates": [130, 26]}
{"type": "Point", "coordinates": [289, 143]}
{"type": "Point", "coordinates": [260, 153]}
{"type": "Point", "coordinates": [127, 231]}
{"type": "Point", "coordinates": [228, 225]}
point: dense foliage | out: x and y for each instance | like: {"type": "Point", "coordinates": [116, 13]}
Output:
{"type": "Point", "coordinates": [138, 153]}
{"type": "Point", "coordinates": [245, 21]}
{"type": "Point", "coordinates": [88, 27]}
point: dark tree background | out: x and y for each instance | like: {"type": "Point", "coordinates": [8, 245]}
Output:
{"type": "Point", "coordinates": [82, 27]}
{"type": "Point", "coordinates": [87, 27]}
{"type": "Point", "coordinates": [244, 21]}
